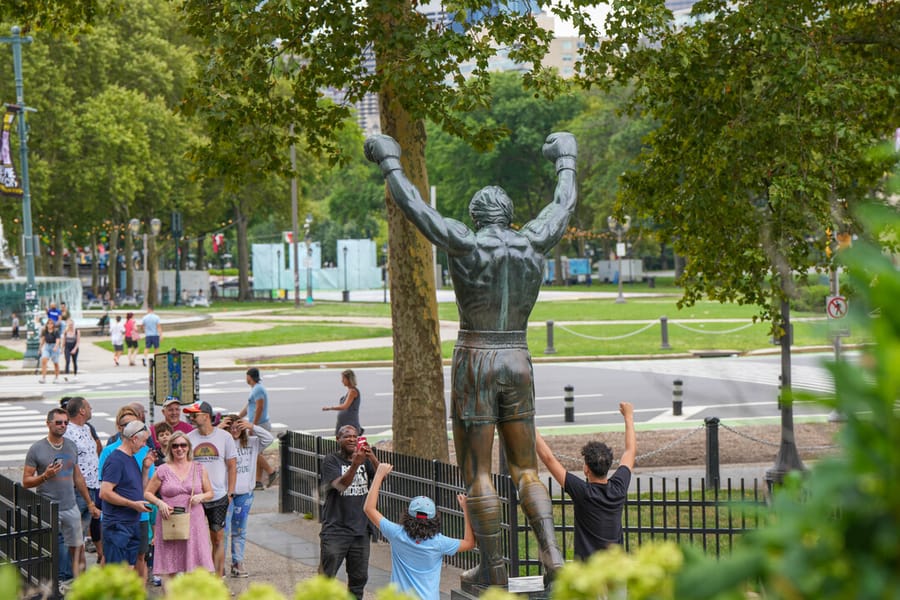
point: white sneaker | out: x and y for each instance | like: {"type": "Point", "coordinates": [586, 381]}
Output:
{"type": "Point", "coordinates": [42, 380]}
{"type": "Point", "coordinates": [56, 380]}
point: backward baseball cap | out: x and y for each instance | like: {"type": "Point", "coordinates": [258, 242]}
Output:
{"type": "Point", "coordinates": [199, 407]}
{"type": "Point", "coordinates": [422, 507]}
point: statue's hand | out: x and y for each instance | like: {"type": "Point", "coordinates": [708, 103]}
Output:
{"type": "Point", "coordinates": [560, 144]}
{"type": "Point", "coordinates": [380, 147]}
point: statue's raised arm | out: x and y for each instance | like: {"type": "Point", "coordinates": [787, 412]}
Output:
{"type": "Point", "coordinates": [448, 234]}
{"type": "Point", "coordinates": [548, 227]}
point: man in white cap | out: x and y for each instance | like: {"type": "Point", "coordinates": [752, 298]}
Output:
{"type": "Point", "coordinates": [122, 492]}
{"type": "Point", "coordinates": [171, 410]}
{"type": "Point", "coordinates": [417, 545]}
{"type": "Point", "coordinates": [214, 448]}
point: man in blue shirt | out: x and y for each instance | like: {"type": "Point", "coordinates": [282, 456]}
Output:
{"type": "Point", "coordinates": [122, 492]}
{"type": "Point", "coordinates": [152, 332]}
{"type": "Point", "coordinates": [417, 545]}
{"type": "Point", "coordinates": [257, 412]}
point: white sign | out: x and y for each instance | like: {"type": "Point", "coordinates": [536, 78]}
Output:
{"type": "Point", "coordinates": [836, 307]}
{"type": "Point", "coordinates": [620, 249]}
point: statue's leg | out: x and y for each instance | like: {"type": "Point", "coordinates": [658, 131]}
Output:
{"type": "Point", "coordinates": [517, 437]}
{"type": "Point", "coordinates": [474, 442]}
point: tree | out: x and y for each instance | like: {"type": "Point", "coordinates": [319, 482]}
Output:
{"type": "Point", "coordinates": [417, 75]}
{"type": "Point", "coordinates": [766, 112]}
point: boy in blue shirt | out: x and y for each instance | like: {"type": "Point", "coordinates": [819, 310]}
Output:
{"type": "Point", "coordinates": [417, 544]}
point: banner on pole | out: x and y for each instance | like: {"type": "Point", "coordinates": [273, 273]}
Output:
{"type": "Point", "coordinates": [9, 182]}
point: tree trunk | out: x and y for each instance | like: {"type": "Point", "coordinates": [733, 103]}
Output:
{"type": "Point", "coordinates": [420, 413]}
{"type": "Point", "coordinates": [95, 265]}
{"type": "Point", "coordinates": [58, 266]}
{"type": "Point", "coordinates": [112, 271]}
{"type": "Point", "coordinates": [243, 254]}
{"type": "Point", "coordinates": [129, 264]}
{"type": "Point", "coordinates": [152, 272]}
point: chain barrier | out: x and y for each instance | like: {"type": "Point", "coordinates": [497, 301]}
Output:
{"type": "Point", "coordinates": [607, 339]}
{"type": "Point", "coordinates": [772, 444]}
{"type": "Point", "coordinates": [670, 445]}
{"type": "Point", "coordinates": [703, 331]}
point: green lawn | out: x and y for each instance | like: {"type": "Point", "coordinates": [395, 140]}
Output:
{"type": "Point", "coordinates": [274, 336]}
{"type": "Point", "coordinates": [581, 340]}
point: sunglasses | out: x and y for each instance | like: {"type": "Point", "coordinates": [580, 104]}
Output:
{"type": "Point", "coordinates": [60, 422]}
{"type": "Point", "coordinates": [178, 446]}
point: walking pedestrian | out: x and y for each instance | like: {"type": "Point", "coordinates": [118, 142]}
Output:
{"type": "Point", "coordinates": [598, 500]}
{"type": "Point", "coordinates": [117, 338]}
{"type": "Point", "coordinates": [344, 536]}
{"type": "Point", "coordinates": [72, 343]}
{"type": "Point", "coordinates": [14, 326]}
{"type": "Point", "coordinates": [132, 336]}
{"type": "Point", "coordinates": [152, 332]}
{"type": "Point", "coordinates": [49, 351]}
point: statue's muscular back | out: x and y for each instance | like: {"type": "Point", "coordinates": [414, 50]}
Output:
{"type": "Point", "coordinates": [497, 283]}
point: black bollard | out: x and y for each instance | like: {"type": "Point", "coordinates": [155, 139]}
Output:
{"type": "Point", "coordinates": [664, 326]}
{"type": "Point", "coordinates": [569, 399]}
{"type": "Point", "coordinates": [549, 349]}
{"type": "Point", "coordinates": [676, 397]}
{"type": "Point", "coordinates": [712, 451]}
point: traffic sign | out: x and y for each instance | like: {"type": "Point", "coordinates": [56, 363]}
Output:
{"type": "Point", "coordinates": [836, 307]}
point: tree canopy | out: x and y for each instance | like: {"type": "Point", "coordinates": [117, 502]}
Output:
{"type": "Point", "coordinates": [767, 112]}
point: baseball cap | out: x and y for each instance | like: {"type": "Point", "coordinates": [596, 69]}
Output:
{"type": "Point", "coordinates": [422, 507]}
{"type": "Point", "coordinates": [171, 400]}
{"type": "Point", "coordinates": [199, 407]}
{"type": "Point", "coordinates": [133, 428]}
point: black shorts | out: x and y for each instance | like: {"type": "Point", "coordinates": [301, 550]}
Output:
{"type": "Point", "coordinates": [131, 343]}
{"type": "Point", "coordinates": [216, 512]}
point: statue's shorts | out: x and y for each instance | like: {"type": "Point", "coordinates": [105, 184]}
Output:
{"type": "Point", "coordinates": [492, 377]}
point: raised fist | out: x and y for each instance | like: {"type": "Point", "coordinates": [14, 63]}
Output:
{"type": "Point", "coordinates": [379, 147]}
{"type": "Point", "coordinates": [560, 144]}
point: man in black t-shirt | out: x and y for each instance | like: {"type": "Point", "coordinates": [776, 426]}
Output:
{"type": "Point", "coordinates": [599, 499]}
{"type": "Point", "coordinates": [346, 475]}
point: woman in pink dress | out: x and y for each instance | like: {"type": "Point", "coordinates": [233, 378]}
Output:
{"type": "Point", "coordinates": [180, 482]}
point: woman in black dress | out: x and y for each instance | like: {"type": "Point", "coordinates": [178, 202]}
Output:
{"type": "Point", "coordinates": [349, 406]}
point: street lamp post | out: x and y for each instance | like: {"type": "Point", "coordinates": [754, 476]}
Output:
{"type": "Point", "coordinates": [345, 296]}
{"type": "Point", "coordinates": [384, 270]}
{"type": "Point", "coordinates": [278, 265]}
{"type": "Point", "coordinates": [32, 344]}
{"type": "Point", "coordinates": [155, 226]}
{"type": "Point", "coordinates": [306, 225]}
{"type": "Point", "coordinates": [620, 229]}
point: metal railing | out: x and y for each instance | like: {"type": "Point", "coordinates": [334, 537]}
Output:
{"type": "Point", "coordinates": [29, 536]}
{"type": "Point", "coordinates": [709, 517]}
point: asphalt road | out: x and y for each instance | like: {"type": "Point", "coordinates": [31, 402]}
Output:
{"type": "Point", "coordinates": [736, 389]}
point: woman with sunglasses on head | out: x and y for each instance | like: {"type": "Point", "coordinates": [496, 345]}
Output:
{"type": "Point", "coordinates": [250, 441]}
{"type": "Point", "coordinates": [180, 484]}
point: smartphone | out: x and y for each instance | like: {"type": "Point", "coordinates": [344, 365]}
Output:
{"type": "Point", "coordinates": [178, 510]}
{"type": "Point", "coordinates": [56, 461]}
{"type": "Point", "coordinates": [361, 443]}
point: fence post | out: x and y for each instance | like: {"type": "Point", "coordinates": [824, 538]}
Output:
{"type": "Point", "coordinates": [569, 399]}
{"type": "Point", "coordinates": [512, 497]}
{"type": "Point", "coordinates": [677, 394]}
{"type": "Point", "coordinates": [664, 328]}
{"type": "Point", "coordinates": [284, 489]}
{"type": "Point", "coordinates": [712, 451]}
{"type": "Point", "coordinates": [549, 349]}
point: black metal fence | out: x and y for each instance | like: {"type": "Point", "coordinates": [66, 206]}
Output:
{"type": "Point", "coordinates": [688, 513]}
{"type": "Point", "coordinates": [29, 536]}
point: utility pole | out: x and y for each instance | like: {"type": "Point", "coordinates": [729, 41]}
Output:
{"type": "Point", "coordinates": [31, 300]}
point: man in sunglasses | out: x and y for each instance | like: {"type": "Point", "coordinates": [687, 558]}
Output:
{"type": "Point", "coordinates": [51, 466]}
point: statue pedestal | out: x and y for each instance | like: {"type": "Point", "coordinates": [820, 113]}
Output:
{"type": "Point", "coordinates": [531, 588]}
